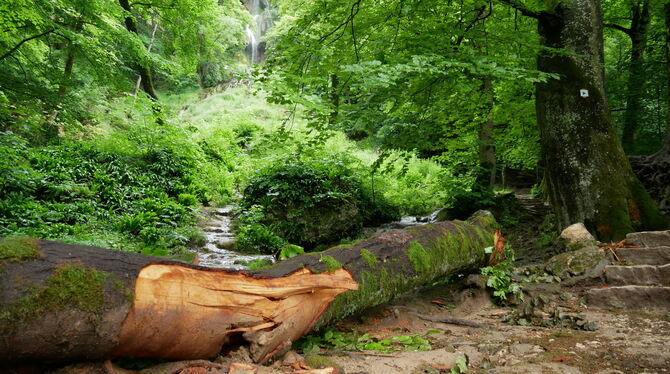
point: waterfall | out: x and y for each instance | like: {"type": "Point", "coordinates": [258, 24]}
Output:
{"type": "Point", "coordinates": [252, 45]}
{"type": "Point", "coordinates": [264, 16]}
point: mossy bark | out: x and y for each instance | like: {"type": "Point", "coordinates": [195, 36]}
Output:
{"type": "Point", "coordinates": [390, 264]}
{"type": "Point", "coordinates": [589, 178]}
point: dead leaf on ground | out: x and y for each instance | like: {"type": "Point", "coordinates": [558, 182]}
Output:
{"type": "Point", "coordinates": [239, 368]}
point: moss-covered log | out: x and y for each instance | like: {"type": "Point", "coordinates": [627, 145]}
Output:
{"type": "Point", "coordinates": [61, 302]}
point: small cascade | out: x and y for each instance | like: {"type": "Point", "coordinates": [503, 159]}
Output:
{"type": "Point", "coordinates": [218, 250]}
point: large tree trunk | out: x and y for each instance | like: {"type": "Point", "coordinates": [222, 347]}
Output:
{"type": "Point", "coordinates": [588, 176]}
{"type": "Point", "coordinates": [636, 78]}
{"type": "Point", "coordinates": [64, 302]}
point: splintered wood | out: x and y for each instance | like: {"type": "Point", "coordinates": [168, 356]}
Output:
{"type": "Point", "coordinates": [180, 312]}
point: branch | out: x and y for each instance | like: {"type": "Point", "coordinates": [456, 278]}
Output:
{"type": "Point", "coordinates": [518, 5]}
{"type": "Point", "coordinates": [620, 28]}
{"type": "Point", "coordinates": [9, 53]}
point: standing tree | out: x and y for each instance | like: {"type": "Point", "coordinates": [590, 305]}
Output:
{"type": "Point", "coordinates": [588, 176]}
{"type": "Point", "coordinates": [637, 32]}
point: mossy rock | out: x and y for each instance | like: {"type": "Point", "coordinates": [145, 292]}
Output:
{"type": "Point", "coordinates": [310, 226]}
{"type": "Point", "coordinates": [588, 261]}
{"type": "Point", "coordinates": [19, 248]}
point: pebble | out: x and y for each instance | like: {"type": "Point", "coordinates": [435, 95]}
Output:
{"type": "Point", "coordinates": [580, 346]}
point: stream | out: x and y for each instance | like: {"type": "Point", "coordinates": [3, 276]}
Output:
{"type": "Point", "coordinates": [220, 240]}
{"type": "Point", "coordinates": [217, 252]}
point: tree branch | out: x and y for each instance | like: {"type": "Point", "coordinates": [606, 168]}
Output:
{"type": "Point", "coordinates": [521, 7]}
{"type": "Point", "coordinates": [9, 53]}
{"type": "Point", "coordinates": [619, 27]}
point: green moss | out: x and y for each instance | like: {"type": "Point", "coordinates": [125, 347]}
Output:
{"type": "Point", "coordinates": [419, 257]}
{"type": "Point", "coordinates": [369, 258]}
{"type": "Point", "coordinates": [70, 285]}
{"type": "Point", "coordinates": [320, 362]}
{"type": "Point", "coordinates": [19, 248]}
{"type": "Point", "coordinates": [259, 264]}
{"type": "Point", "coordinates": [445, 255]}
{"type": "Point", "coordinates": [331, 263]}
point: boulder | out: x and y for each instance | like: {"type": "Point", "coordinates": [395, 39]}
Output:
{"type": "Point", "coordinates": [589, 262]}
{"type": "Point", "coordinates": [576, 237]}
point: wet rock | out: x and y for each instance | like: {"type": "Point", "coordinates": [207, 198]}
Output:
{"type": "Point", "coordinates": [589, 262]}
{"type": "Point", "coordinates": [440, 215]}
{"type": "Point", "coordinates": [227, 243]}
{"type": "Point", "coordinates": [576, 237]}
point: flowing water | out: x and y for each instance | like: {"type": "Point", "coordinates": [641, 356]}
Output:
{"type": "Point", "coordinates": [218, 251]}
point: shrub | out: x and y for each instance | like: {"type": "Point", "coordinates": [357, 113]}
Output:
{"type": "Point", "coordinates": [311, 202]}
{"type": "Point", "coordinates": [136, 189]}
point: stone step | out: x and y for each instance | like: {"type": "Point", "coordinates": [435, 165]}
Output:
{"type": "Point", "coordinates": [645, 256]}
{"type": "Point", "coordinates": [649, 238]}
{"type": "Point", "coordinates": [641, 275]}
{"type": "Point", "coordinates": [630, 298]}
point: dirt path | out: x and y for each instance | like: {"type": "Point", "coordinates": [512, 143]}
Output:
{"type": "Point", "coordinates": [623, 342]}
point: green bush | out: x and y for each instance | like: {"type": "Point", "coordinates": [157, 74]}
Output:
{"type": "Point", "coordinates": [315, 201]}
{"type": "Point", "coordinates": [136, 189]}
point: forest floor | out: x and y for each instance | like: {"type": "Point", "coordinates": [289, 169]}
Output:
{"type": "Point", "coordinates": [622, 343]}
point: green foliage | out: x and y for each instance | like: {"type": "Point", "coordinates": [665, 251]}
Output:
{"type": "Point", "coordinates": [352, 341]}
{"type": "Point", "coordinates": [290, 250]}
{"type": "Point", "coordinates": [253, 236]}
{"type": "Point", "coordinates": [460, 366]}
{"type": "Point", "coordinates": [297, 196]}
{"type": "Point", "coordinates": [134, 189]}
{"type": "Point", "coordinates": [499, 278]}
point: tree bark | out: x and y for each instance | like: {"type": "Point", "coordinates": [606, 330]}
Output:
{"type": "Point", "coordinates": [74, 302]}
{"type": "Point", "coordinates": [636, 79]}
{"type": "Point", "coordinates": [588, 176]}
{"type": "Point", "coordinates": [142, 69]}
{"type": "Point", "coordinates": [69, 62]}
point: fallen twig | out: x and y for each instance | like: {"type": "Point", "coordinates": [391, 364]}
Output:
{"type": "Point", "coordinates": [451, 321]}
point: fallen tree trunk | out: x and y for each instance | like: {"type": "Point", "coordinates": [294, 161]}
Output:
{"type": "Point", "coordinates": [61, 302]}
